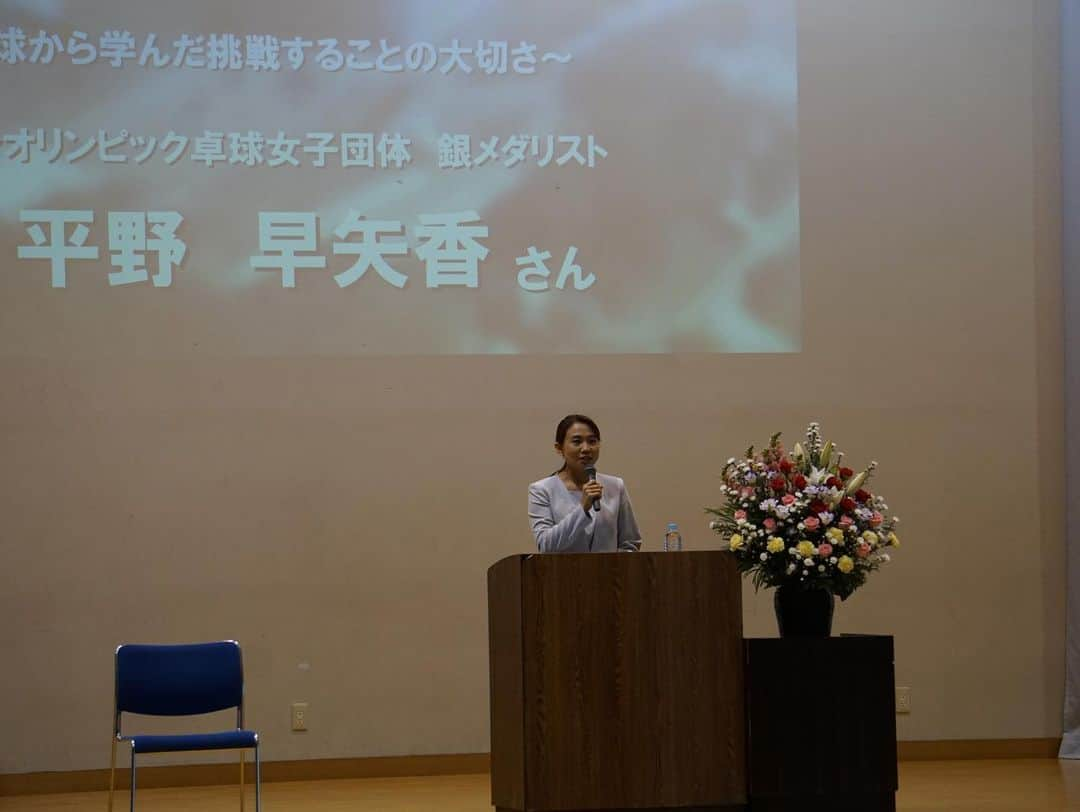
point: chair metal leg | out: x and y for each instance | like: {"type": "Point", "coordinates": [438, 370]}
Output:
{"type": "Point", "coordinates": [133, 777]}
{"type": "Point", "coordinates": [258, 777]}
{"type": "Point", "coordinates": [112, 773]}
{"type": "Point", "coordinates": [241, 781]}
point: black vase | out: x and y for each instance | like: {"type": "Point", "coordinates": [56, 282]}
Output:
{"type": "Point", "coordinates": [803, 612]}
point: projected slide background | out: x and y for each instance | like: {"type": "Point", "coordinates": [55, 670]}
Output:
{"type": "Point", "coordinates": [646, 150]}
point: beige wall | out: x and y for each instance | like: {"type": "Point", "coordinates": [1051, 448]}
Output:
{"type": "Point", "coordinates": [342, 513]}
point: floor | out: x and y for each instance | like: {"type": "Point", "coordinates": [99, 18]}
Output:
{"type": "Point", "coordinates": [928, 786]}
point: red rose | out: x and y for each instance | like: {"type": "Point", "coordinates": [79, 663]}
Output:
{"type": "Point", "coordinates": [846, 473]}
{"type": "Point", "coordinates": [862, 496]}
{"type": "Point", "coordinates": [833, 482]}
{"type": "Point", "coordinates": [817, 506]}
{"type": "Point", "coordinates": [800, 482]}
{"type": "Point", "coordinates": [786, 465]}
{"type": "Point", "coordinates": [778, 483]}
{"type": "Point", "coordinates": [847, 504]}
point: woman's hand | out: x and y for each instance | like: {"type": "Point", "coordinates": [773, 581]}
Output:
{"type": "Point", "coordinates": [591, 492]}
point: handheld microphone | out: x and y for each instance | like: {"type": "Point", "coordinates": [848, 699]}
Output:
{"type": "Point", "coordinates": [590, 473]}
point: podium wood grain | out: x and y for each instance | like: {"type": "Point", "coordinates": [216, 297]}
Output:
{"type": "Point", "coordinates": [624, 686]}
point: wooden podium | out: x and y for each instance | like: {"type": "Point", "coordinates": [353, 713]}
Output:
{"type": "Point", "coordinates": [617, 682]}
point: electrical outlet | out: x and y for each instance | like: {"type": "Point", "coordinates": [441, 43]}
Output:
{"type": "Point", "coordinates": [903, 700]}
{"type": "Point", "coordinates": [299, 715]}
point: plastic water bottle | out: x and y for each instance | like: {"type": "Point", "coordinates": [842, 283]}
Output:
{"type": "Point", "coordinates": [672, 539]}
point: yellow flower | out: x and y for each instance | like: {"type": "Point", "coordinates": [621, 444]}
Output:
{"type": "Point", "coordinates": [894, 539]}
{"type": "Point", "coordinates": [805, 549]}
{"type": "Point", "coordinates": [775, 545]}
{"type": "Point", "coordinates": [845, 564]}
{"type": "Point", "coordinates": [871, 538]}
{"type": "Point", "coordinates": [736, 542]}
{"type": "Point", "coordinates": [835, 535]}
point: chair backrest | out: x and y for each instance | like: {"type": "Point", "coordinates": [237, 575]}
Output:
{"type": "Point", "coordinates": [179, 680]}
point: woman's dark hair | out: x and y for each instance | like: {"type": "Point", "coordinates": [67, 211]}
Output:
{"type": "Point", "coordinates": [566, 423]}
{"type": "Point", "coordinates": [571, 419]}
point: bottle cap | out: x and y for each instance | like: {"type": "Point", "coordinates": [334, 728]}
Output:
{"type": "Point", "coordinates": [672, 526]}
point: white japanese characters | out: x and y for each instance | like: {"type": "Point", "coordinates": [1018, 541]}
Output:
{"type": "Point", "coordinates": [262, 52]}
{"type": "Point", "coordinates": [253, 148]}
{"type": "Point", "coordinates": [449, 244]}
{"type": "Point", "coordinates": [60, 236]}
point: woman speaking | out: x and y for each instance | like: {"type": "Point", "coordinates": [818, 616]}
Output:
{"type": "Point", "coordinates": [576, 510]}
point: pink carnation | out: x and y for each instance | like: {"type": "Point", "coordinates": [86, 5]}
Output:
{"type": "Point", "coordinates": [824, 550]}
{"type": "Point", "coordinates": [876, 519]}
{"type": "Point", "coordinates": [770, 524]}
{"type": "Point", "coordinates": [811, 522]}
{"type": "Point", "coordinates": [863, 550]}
{"type": "Point", "coordinates": [846, 522]}
{"type": "Point", "coordinates": [788, 499]}
{"type": "Point", "coordinates": [740, 514]}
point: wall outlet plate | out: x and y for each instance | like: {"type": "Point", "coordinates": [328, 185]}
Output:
{"type": "Point", "coordinates": [299, 716]}
{"type": "Point", "coordinates": [903, 700]}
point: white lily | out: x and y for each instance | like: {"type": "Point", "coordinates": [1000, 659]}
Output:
{"type": "Point", "coordinates": [856, 483]}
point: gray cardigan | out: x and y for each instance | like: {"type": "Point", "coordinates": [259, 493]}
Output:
{"type": "Point", "coordinates": [562, 526]}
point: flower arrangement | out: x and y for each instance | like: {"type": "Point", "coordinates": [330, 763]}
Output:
{"type": "Point", "coordinates": [803, 519]}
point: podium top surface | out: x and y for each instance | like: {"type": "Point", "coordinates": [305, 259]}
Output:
{"type": "Point", "coordinates": [653, 557]}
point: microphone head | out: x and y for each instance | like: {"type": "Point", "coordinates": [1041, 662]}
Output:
{"type": "Point", "coordinates": [590, 472]}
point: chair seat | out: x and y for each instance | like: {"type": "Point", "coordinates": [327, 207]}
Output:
{"type": "Point", "coordinates": [225, 740]}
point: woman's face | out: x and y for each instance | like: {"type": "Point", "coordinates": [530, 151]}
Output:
{"type": "Point", "coordinates": [580, 448]}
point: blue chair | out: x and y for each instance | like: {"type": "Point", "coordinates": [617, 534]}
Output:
{"type": "Point", "coordinates": [181, 680]}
